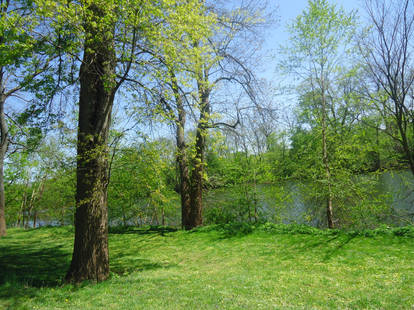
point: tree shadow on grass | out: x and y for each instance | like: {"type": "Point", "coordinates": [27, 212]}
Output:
{"type": "Point", "coordinates": [34, 266]}
{"type": "Point", "coordinates": [324, 246]}
{"type": "Point", "coordinates": [336, 249]}
{"type": "Point", "coordinates": [131, 264]}
{"type": "Point", "coordinates": [226, 231]}
{"type": "Point", "coordinates": [152, 230]}
{"type": "Point", "coordinates": [24, 268]}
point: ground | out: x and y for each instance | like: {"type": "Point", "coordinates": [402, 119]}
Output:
{"type": "Point", "coordinates": [221, 267]}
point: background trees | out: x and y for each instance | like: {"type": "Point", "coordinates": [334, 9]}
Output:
{"type": "Point", "coordinates": [191, 92]}
{"type": "Point", "coordinates": [386, 50]}
{"type": "Point", "coordinates": [141, 191]}
{"type": "Point", "coordinates": [27, 73]}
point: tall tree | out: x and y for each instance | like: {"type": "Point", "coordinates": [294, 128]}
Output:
{"type": "Point", "coordinates": [215, 60]}
{"type": "Point", "coordinates": [90, 260]}
{"type": "Point", "coordinates": [111, 36]}
{"type": "Point", "coordinates": [317, 37]}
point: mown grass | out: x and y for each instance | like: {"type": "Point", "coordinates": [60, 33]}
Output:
{"type": "Point", "coordinates": [220, 267]}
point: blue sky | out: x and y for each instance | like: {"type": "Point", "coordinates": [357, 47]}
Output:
{"type": "Point", "coordinates": [287, 11]}
{"type": "Point", "coordinates": [278, 36]}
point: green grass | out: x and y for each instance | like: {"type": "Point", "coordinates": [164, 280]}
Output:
{"type": "Point", "coordinates": [221, 267]}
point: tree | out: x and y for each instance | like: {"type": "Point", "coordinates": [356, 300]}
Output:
{"type": "Point", "coordinates": [25, 69]}
{"type": "Point", "coordinates": [317, 37]}
{"type": "Point", "coordinates": [214, 59]}
{"type": "Point", "coordinates": [387, 53]}
{"type": "Point", "coordinates": [111, 36]}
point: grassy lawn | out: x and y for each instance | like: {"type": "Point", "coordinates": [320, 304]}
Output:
{"type": "Point", "coordinates": [214, 268]}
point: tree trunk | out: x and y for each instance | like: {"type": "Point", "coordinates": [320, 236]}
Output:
{"type": "Point", "coordinates": [3, 134]}
{"type": "Point", "coordinates": [90, 259]}
{"type": "Point", "coordinates": [325, 159]}
{"type": "Point", "coordinates": [181, 156]}
{"type": "Point", "coordinates": [197, 175]}
{"type": "Point", "coordinates": [256, 216]}
{"type": "Point", "coordinates": [34, 218]}
{"type": "Point", "coordinates": [3, 149]}
{"type": "Point", "coordinates": [184, 177]}
{"type": "Point", "coordinates": [24, 203]}
{"type": "Point", "coordinates": [3, 230]}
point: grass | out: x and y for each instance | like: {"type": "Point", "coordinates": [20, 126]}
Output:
{"type": "Point", "coordinates": [217, 267]}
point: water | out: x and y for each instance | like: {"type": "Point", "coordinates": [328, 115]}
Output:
{"type": "Point", "coordinates": [366, 202]}
{"type": "Point", "coordinates": [387, 198]}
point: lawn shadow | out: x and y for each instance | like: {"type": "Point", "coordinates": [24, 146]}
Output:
{"type": "Point", "coordinates": [225, 231]}
{"type": "Point", "coordinates": [34, 266]}
{"type": "Point", "coordinates": [130, 264]}
{"type": "Point", "coordinates": [152, 230]}
{"type": "Point", "coordinates": [327, 246]}
{"type": "Point", "coordinates": [336, 249]}
{"type": "Point", "coordinates": [24, 269]}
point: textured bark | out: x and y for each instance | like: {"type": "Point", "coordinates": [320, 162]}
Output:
{"type": "Point", "coordinates": [3, 150]}
{"type": "Point", "coordinates": [184, 177]}
{"type": "Point", "coordinates": [197, 175]}
{"type": "Point", "coordinates": [90, 260]}
{"type": "Point", "coordinates": [3, 133]}
{"type": "Point", "coordinates": [181, 155]}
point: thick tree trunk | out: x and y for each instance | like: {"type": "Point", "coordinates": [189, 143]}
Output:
{"type": "Point", "coordinates": [197, 175]}
{"type": "Point", "coordinates": [90, 259]}
{"type": "Point", "coordinates": [197, 178]}
{"type": "Point", "coordinates": [3, 149]}
{"type": "Point", "coordinates": [3, 135]}
{"type": "Point", "coordinates": [3, 230]}
{"type": "Point", "coordinates": [181, 156]}
{"type": "Point", "coordinates": [38, 197]}
{"type": "Point", "coordinates": [184, 178]}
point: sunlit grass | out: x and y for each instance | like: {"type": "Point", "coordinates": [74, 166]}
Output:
{"type": "Point", "coordinates": [214, 268]}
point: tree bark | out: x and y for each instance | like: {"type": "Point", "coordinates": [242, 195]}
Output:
{"type": "Point", "coordinates": [3, 134]}
{"type": "Point", "coordinates": [90, 259]}
{"type": "Point", "coordinates": [197, 175]}
{"type": "Point", "coordinates": [181, 156]}
{"type": "Point", "coordinates": [34, 218]}
{"type": "Point", "coordinates": [3, 149]}
{"type": "Point", "coordinates": [184, 176]}
{"type": "Point", "coordinates": [197, 178]}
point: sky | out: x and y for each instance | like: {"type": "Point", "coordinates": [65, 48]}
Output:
{"type": "Point", "coordinates": [277, 36]}
{"type": "Point", "coordinates": [287, 11]}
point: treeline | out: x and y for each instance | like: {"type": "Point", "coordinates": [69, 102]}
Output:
{"type": "Point", "coordinates": [144, 187]}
